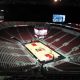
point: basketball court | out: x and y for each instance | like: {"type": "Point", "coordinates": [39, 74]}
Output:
{"type": "Point", "coordinates": [41, 51]}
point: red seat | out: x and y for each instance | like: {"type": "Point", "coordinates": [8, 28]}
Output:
{"type": "Point", "coordinates": [56, 36]}
{"type": "Point", "coordinates": [63, 40]}
{"type": "Point", "coordinates": [72, 44]}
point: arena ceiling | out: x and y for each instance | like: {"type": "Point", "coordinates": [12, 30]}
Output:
{"type": "Point", "coordinates": [43, 2]}
{"type": "Point", "coordinates": [39, 9]}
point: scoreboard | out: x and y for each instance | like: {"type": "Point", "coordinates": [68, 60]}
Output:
{"type": "Point", "coordinates": [58, 18]}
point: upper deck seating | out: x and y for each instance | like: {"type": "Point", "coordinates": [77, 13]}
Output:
{"type": "Point", "coordinates": [71, 45]}
{"type": "Point", "coordinates": [63, 40]}
{"type": "Point", "coordinates": [56, 36]}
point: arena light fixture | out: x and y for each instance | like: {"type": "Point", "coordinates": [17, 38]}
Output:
{"type": "Point", "coordinates": [57, 0]}
{"type": "Point", "coordinates": [2, 10]}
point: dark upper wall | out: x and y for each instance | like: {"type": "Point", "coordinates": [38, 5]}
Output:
{"type": "Point", "coordinates": [40, 12]}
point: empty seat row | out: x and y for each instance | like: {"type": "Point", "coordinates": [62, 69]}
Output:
{"type": "Point", "coordinates": [72, 44]}
{"type": "Point", "coordinates": [8, 44]}
{"type": "Point", "coordinates": [56, 36]}
{"type": "Point", "coordinates": [75, 58]}
{"type": "Point", "coordinates": [13, 61]}
{"type": "Point", "coordinates": [68, 67]}
{"type": "Point", "coordinates": [63, 40]}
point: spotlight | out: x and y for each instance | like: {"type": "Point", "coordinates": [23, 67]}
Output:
{"type": "Point", "coordinates": [55, 0]}
{"type": "Point", "coordinates": [2, 10]}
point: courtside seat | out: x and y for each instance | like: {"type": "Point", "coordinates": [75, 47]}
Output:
{"type": "Point", "coordinates": [63, 40]}
{"type": "Point", "coordinates": [70, 45]}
